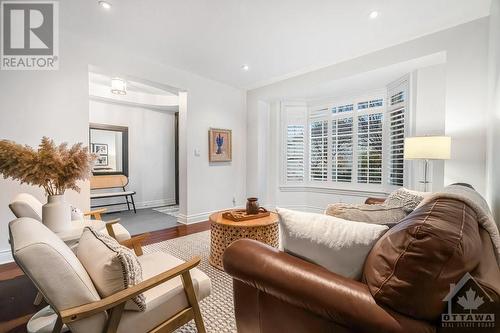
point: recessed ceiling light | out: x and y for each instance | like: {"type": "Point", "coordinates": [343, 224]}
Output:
{"type": "Point", "coordinates": [245, 68]}
{"type": "Point", "coordinates": [373, 14]}
{"type": "Point", "coordinates": [104, 4]}
{"type": "Point", "coordinates": [118, 86]}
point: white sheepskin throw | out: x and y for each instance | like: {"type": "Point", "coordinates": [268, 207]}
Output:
{"type": "Point", "coordinates": [339, 245]}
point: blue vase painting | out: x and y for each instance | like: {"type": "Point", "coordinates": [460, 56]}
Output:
{"type": "Point", "coordinates": [219, 145]}
{"type": "Point", "coordinates": [219, 141]}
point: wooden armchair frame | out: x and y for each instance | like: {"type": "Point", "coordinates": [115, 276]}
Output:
{"type": "Point", "coordinates": [96, 215]}
{"type": "Point", "coordinates": [115, 304]}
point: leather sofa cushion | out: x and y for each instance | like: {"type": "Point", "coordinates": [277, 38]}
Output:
{"type": "Point", "coordinates": [411, 267]}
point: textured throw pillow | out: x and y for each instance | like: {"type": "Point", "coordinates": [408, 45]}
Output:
{"type": "Point", "coordinates": [376, 213]}
{"type": "Point", "coordinates": [406, 199]}
{"type": "Point", "coordinates": [111, 266]}
{"type": "Point", "coordinates": [338, 245]}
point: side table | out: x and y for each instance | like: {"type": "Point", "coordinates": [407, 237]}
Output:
{"type": "Point", "coordinates": [224, 232]}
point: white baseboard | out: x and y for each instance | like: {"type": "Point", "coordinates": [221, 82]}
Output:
{"type": "Point", "coordinates": [142, 204]}
{"type": "Point", "coordinates": [200, 217]}
{"type": "Point", "coordinates": [6, 256]}
{"type": "Point", "coordinates": [194, 218]}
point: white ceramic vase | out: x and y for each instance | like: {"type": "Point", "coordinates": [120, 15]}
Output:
{"type": "Point", "coordinates": [56, 213]}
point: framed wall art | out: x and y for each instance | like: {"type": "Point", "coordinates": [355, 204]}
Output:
{"type": "Point", "coordinates": [220, 145]}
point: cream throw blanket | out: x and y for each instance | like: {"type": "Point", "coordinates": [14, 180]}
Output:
{"type": "Point", "coordinates": [473, 199]}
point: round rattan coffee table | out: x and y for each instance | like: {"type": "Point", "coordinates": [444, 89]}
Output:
{"type": "Point", "coordinates": [224, 232]}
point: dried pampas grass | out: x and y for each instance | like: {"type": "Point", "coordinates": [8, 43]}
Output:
{"type": "Point", "coordinates": [54, 168]}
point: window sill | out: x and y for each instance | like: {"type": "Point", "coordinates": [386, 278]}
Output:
{"type": "Point", "coordinates": [330, 190]}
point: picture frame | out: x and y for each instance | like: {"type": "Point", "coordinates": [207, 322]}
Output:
{"type": "Point", "coordinates": [101, 160]}
{"type": "Point", "coordinates": [220, 144]}
{"type": "Point", "coordinates": [100, 148]}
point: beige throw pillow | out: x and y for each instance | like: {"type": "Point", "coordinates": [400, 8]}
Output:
{"type": "Point", "coordinates": [111, 266]}
{"type": "Point", "coordinates": [377, 213]}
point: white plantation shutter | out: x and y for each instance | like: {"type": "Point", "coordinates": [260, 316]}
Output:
{"type": "Point", "coordinates": [370, 148]}
{"type": "Point", "coordinates": [318, 145]}
{"type": "Point", "coordinates": [397, 119]}
{"type": "Point", "coordinates": [294, 139]}
{"type": "Point", "coordinates": [295, 147]}
{"type": "Point", "coordinates": [342, 138]}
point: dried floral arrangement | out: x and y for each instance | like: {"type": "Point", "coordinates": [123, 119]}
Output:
{"type": "Point", "coordinates": [51, 167]}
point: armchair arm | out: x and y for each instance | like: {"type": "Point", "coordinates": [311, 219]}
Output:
{"type": "Point", "coordinates": [347, 302]}
{"type": "Point", "coordinates": [87, 310]}
{"type": "Point", "coordinates": [109, 227]}
{"type": "Point", "coordinates": [96, 213]}
{"type": "Point", "coordinates": [135, 243]}
{"type": "Point", "coordinates": [373, 200]}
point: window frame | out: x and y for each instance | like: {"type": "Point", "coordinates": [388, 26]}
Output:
{"type": "Point", "coordinates": [352, 186]}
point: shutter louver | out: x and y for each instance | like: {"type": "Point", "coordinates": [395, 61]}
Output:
{"type": "Point", "coordinates": [370, 148]}
{"type": "Point", "coordinates": [342, 150]}
{"type": "Point", "coordinates": [295, 153]}
{"type": "Point", "coordinates": [318, 156]}
{"type": "Point", "coordinates": [397, 129]}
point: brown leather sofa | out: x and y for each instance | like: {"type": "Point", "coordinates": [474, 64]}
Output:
{"type": "Point", "coordinates": [406, 277]}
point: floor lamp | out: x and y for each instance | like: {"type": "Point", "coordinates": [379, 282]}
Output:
{"type": "Point", "coordinates": [427, 148]}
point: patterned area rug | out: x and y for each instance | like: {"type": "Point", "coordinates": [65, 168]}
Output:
{"type": "Point", "coordinates": [217, 309]}
{"type": "Point", "coordinates": [168, 210]}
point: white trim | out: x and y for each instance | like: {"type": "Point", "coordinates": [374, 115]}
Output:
{"type": "Point", "coordinates": [337, 191]}
{"type": "Point", "coordinates": [6, 256]}
{"type": "Point", "coordinates": [303, 208]}
{"type": "Point", "coordinates": [199, 217]}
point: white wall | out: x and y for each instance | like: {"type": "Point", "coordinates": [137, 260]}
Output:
{"type": "Point", "coordinates": [464, 113]}
{"type": "Point", "coordinates": [429, 119]}
{"type": "Point", "coordinates": [151, 149]}
{"type": "Point", "coordinates": [494, 110]}
{"type": "Point", "coordinates": [55, 103]}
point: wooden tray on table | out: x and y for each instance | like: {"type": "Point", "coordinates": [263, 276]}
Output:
{"type": "Point", "coordinates": [238, 215]}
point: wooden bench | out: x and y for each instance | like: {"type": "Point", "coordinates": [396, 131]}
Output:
{"type": "Point", "coordinates": [111, 182]}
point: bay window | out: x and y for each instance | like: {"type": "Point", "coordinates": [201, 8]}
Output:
{"type": "Point", "coordinates": [350, 143]}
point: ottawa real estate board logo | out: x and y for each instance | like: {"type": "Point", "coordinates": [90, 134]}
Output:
{"type": "Point", "coordinates": [469, 306]}
{"type": "Point", "coordinates": [29, 35]}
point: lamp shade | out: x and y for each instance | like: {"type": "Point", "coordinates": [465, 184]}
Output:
{"type": "Point", "coordinates": [428, 148]}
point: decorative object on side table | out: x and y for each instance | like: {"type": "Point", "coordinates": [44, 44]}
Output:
{"type": "Point", "coordinates": [252, 205]}
{"type": "Point", "coordinates": [427, 148]}
{"type": "Point", "coordinates": [53, 168]}
{"type": "Point", "coordinates": [220, 145]}
{"type": "Point", "coordinates": [252, 212]}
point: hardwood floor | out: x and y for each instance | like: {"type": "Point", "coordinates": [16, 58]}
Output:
{"type": "Point", "coordinates": [17, 292]}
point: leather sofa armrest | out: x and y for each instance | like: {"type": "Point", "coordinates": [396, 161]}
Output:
{"type": "Point", "coordinates": [373, 201]}
{"type": "Point", "coordinates": [312, 288]}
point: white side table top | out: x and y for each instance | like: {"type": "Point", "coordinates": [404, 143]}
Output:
{"type": "Point", "coordinates": [76, 230]}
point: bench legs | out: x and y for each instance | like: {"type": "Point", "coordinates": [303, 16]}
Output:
{"type": "Point", "coordinates": [133, 203]}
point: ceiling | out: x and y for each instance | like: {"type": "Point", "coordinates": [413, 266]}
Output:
{"type": "Point", "coordinates": [277, 39]}
{"type": "Point", "coordinates": [132, 85]}
{"type": "Point", "coordinates": [138, 93]}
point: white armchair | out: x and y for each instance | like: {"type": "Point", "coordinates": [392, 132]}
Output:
{"type": "Point", "coordinates": [26, 205]}
{"type": "Point", "coordinates": [171, 287]}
